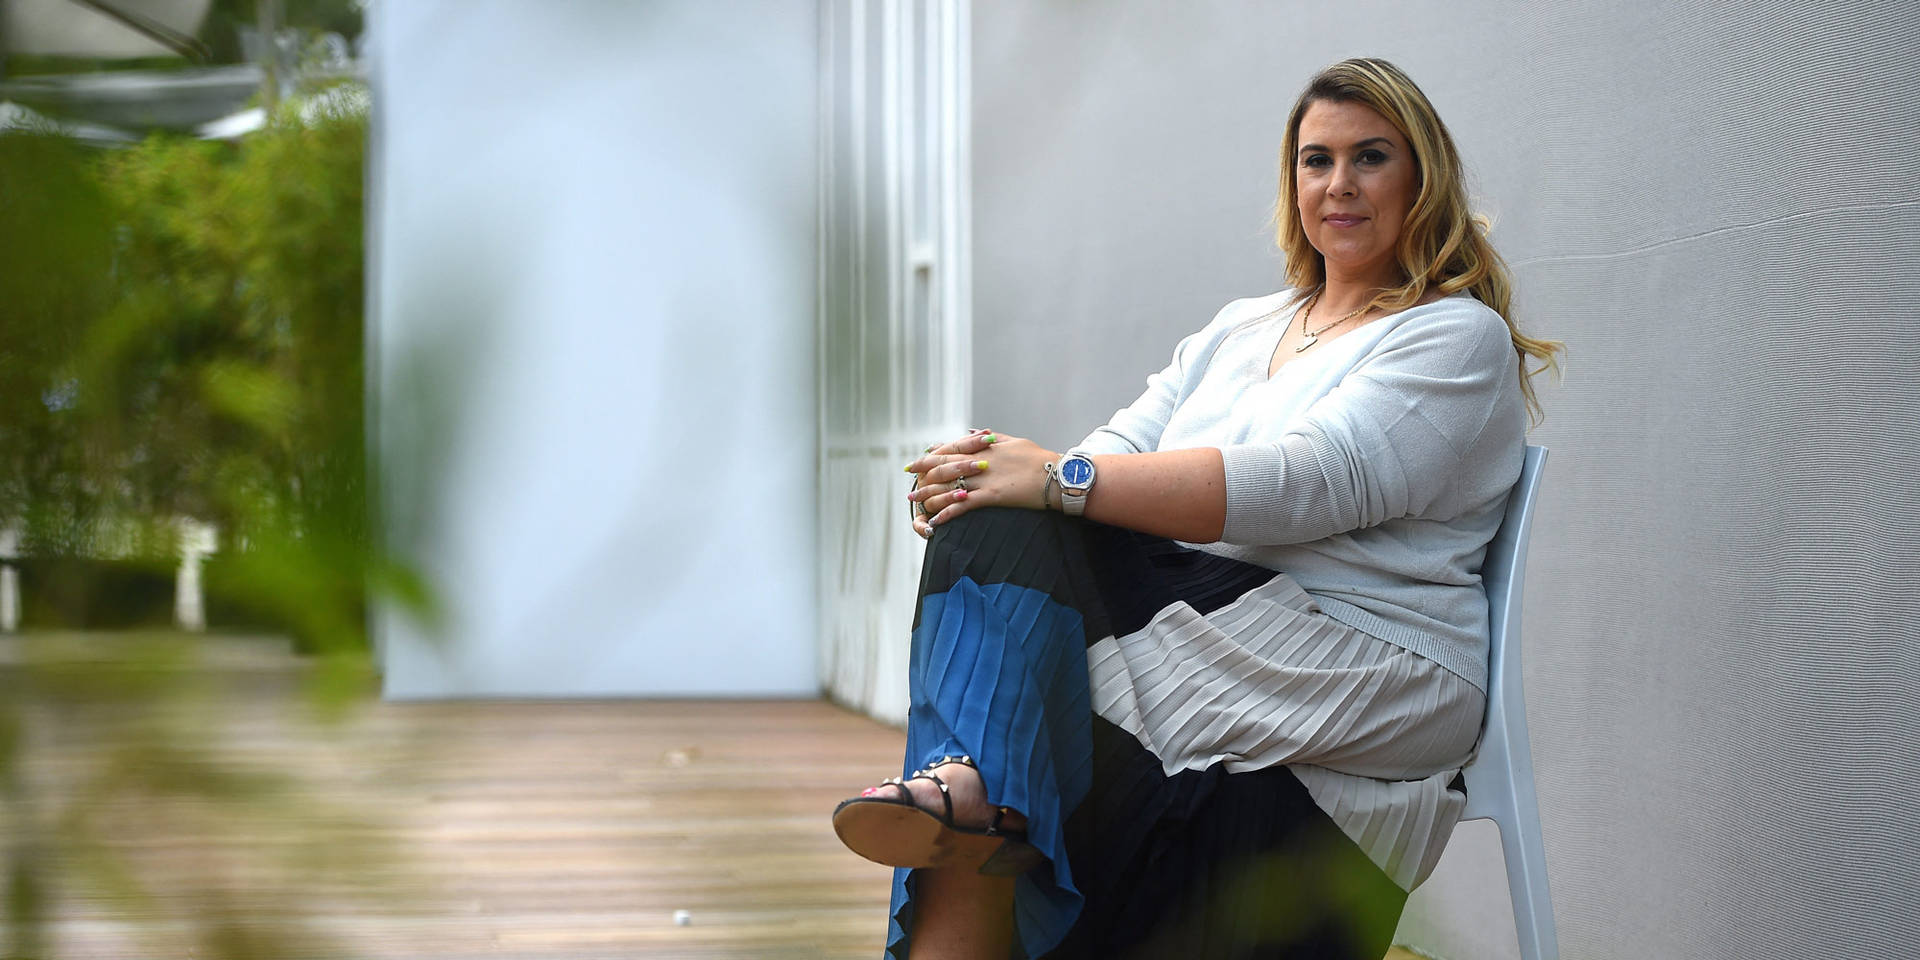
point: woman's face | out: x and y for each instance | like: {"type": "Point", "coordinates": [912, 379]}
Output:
{"type": "Point", "coordinates": [1355, 180]}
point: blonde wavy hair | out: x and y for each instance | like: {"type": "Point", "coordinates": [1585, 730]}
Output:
{"type": "Point", "coordinates": [1443, 244]}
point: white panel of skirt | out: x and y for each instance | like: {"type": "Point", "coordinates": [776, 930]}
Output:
{"type": "Point", "coordinates": [1374, 731]}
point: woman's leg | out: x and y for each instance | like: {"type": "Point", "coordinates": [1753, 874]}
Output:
{"type": "Point", "coordinates": [1163, 859]}
{"type": "Point", "coordinates": [962, 916]}
{"type": "Point", "coordinates": [998, 673]}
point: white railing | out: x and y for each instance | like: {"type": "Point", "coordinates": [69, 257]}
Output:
{"type": "Point", "coordinates": [194, 541]}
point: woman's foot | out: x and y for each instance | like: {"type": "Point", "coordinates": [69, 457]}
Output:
{"type": "Point", "coordinates": [940, 819]}
{"type": "Point", "coordinates": [964, 787]}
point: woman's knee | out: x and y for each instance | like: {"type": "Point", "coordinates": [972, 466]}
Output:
{"type": "Point", "coordinates": [990, 543]}
{"type": "Point", "coordinates": [1002, 528]}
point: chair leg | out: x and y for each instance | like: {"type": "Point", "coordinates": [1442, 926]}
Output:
{"type": "Point", "coordinates": [1527, 885]}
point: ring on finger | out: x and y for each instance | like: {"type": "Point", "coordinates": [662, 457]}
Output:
{"type": "Point", "coordinates": [960, 483]}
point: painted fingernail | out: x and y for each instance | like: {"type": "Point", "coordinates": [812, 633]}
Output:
{"type": "Point", "coordinates": [991, 438]}
{"type": "Point", "coordinates": [930, 447]}
{"type": "Point", "coordinates": [980, 464]}
{"type": "Point", "coordinates": [960, 494]}
{"type": "Point", "coordinates": [908, 468]}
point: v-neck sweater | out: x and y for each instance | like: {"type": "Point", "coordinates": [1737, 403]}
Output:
{"type": "Point", "coordinates": [1373, 469]}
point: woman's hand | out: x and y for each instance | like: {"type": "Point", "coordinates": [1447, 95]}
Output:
{"type": "Point", "coordinates": [981, 469]}
{"type": "Point", "coordinates": [976, 440]}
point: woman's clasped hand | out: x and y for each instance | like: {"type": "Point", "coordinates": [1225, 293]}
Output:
{"type": "Point", "coordinates": [981, 469]}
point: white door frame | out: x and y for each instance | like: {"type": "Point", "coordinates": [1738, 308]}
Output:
{"type": "Point", "coordinates": [894, 313]}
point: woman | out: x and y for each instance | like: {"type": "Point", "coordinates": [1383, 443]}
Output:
{"type": "Point", "coordinates": [1218, 714]}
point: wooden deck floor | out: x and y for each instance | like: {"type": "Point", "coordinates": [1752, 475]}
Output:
{"type": "Point", "coordinates": [530, 830]}
{"type": "Point", "coordinates": [579, 829]}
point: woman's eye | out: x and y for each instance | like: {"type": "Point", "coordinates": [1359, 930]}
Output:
{"type": "Point", "coordinates": [1316, 160]}
{"type": "Point", "coordinates": [1372, 156]}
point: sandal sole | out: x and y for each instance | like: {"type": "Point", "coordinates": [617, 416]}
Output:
{"type": "Point", "coordinates": [900, 835]}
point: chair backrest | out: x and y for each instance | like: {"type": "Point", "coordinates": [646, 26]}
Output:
{"type": "Point", "coordinates": [1504, 573]}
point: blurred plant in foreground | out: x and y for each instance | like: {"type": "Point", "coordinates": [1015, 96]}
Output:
{"type": "Point", "coordinates": [192, 348]}
{"type": "Point", "coordinates": [181, 338]}
{"type": "Point", "coordinates": [150, 805]}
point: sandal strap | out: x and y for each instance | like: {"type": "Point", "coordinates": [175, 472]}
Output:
{"type": "Point", "coordinates": [999, 813]}
{"type": "Point", "coordinates": [946, 795]}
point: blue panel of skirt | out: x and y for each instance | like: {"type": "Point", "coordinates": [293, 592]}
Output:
{"type": "Point", "coordinates": [1199, 864]}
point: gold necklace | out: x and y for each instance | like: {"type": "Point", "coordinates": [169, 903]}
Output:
{"type": "Point", "coordinates": [1313, 336]}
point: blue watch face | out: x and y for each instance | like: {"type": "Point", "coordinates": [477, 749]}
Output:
{"type": "Point", "coordinates": [1076, 472]}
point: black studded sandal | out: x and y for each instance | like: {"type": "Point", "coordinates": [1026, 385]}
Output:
{"type": "Point", "coordinates": [900, 833]}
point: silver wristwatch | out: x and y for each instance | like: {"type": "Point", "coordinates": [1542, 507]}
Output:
{"type": "Point", "coordinates": [1075, 472]}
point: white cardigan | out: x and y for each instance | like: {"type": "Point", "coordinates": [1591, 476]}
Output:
{"type": "Point", "coordinates": [1373, 469]}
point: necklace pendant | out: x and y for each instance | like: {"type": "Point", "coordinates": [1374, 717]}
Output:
{"type": "Point", "coordinates": [1308, 342]}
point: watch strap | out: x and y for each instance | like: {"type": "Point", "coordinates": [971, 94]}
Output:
{"type": "Point", "coordinates": [1073, 501]}
{"type": "Point", "coordinates": [1071, 505]}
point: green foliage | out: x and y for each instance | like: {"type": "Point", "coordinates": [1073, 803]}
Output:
{"type": "Point", "coordinates": [55, 256]}
{"type": "Point", "coordinates": [183, 339]}
{"type": "Point", "coordinates": [238, 331]}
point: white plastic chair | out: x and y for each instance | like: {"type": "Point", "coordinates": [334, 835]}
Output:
{"type": "Point", "coordinates": [1500, 778]}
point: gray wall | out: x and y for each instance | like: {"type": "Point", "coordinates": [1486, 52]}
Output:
{"type": "Point", "coordinates": [1717, 207]}
{"type": "Point", "coordinates": [594, 257]}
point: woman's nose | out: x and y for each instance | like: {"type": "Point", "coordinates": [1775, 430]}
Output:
{"type": "Point", "coordinates": [1342, 183]}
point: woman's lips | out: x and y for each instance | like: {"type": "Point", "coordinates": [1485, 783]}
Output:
{"type": "Point", "coordinates": [1342, 220]}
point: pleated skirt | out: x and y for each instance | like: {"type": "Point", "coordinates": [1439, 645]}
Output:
{"type": "Point", "coordinates": [1213, 767]}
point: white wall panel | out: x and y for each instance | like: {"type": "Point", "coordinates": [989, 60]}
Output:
{"type": "Point", "coordinates": [594, 253]}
